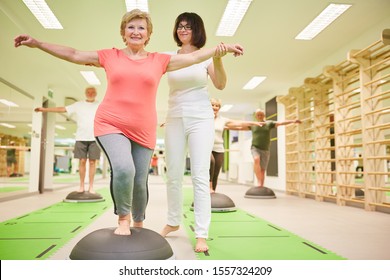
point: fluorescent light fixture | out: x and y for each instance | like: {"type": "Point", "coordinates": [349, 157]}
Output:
{"type": "Point", "coordinates": [8, 103]}
{"type": "Point", "coordinates": [60, 127]}
{"type": "Point", "coordinates": [234, 12]}
{"type": "Point", "coordinates": [90, 77]}
{"type": "Point", "coordinates": [7, 125]}
{"type": "Point", "coordinates": [254, 82]}
{"type": "Point", "coordinates": [137, 4]}
{"type": "Point", "coordinates": [226, 108]}
{"type": "Point", "coordinates": [44, 15]}
{"type": "Point", "coordinates": [327, 16]}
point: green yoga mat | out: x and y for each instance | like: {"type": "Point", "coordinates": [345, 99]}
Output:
{"type": "Point", "coordinates": [39, 234]}
{"type": "Point", "coordinates": [12, 189]}
{"type": "Point", "coordinates": [242, 236]}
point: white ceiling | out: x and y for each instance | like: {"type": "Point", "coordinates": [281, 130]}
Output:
{"type": "Point", "coordinates": [267, 33]}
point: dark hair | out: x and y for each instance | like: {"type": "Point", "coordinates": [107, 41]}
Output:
{"type": "Point", "coordinates": [197, 26]}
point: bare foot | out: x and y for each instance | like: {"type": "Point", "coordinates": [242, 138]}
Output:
{"type": "Point", "coordinates": [91, 191]}
{"type": "Point", "coordinates": [211, 188]}
{"type": "Point", "coordinates": [81, 190]}
{"type": "Point", "coordinates": [167, 229]}
{"type": "Point", "coordinates": [123, 226]}
{"type": "Point", "coordinates": [138, 224]}
{"type": "Point", "coordinates": [201, 245]}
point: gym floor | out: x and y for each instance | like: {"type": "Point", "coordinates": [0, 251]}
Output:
{"type": "Point", "coordinates": [352, 233]}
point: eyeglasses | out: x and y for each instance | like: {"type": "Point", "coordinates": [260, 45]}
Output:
{"type": "Point", "coordinates": [185, 27]}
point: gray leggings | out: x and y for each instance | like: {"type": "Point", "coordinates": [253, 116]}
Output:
{"type": "Point", "coordinates": [129, 164]}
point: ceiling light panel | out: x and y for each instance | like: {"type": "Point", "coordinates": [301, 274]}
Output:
{"type": "Point", "coordinates": [232, 17]}
{"type": "Point", "coordinates": [60, 127]}
{"type": "Point", "coordinates": [137, 4]}
{"type": "Point", "coordinates": [43, 14]}
{"type": "Point", "coordinates": [327, 16]}
{"type": "Point", "coordinates": [90, 77]}
{"type": "Point", "coordinates": [7, 125]}
{"type": "Point", "coordinates": [254, 82]}
{"type": "Point", "coordinates": [8, 103]}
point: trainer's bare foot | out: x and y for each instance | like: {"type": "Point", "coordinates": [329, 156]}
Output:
{"type": "Point", "coordinates": [201, 245]}
{"type": "Point", "coordinates": [138, 224]}
{"type": "Point", "coordinates": [81, 190]}
{"type": "Point", "coordinates": [91, 191]}
{"type": "Point", "coordinates": [123, 225]}
{"type": "Point", "coordinates": [167, 229]}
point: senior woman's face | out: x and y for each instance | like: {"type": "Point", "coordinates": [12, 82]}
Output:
{"type": "Point", "coordinates": [216, 106]}
{"type": "Point", "coordinates": [136, 32]}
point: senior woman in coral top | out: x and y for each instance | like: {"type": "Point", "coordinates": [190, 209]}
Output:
{"type": "Point", "coordinates": [125, 122]}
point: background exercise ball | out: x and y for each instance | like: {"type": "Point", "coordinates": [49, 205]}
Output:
{"type": "Point", "coordinates": [260, 192]}
{"type": "Point", "coordinates": [220, 203]}
{"type": "Point", "coordinates": [359, 193]}
{"type": "Point", "coordinates": [103, 244]}
{"type": "Point", "coordinates": [83, 197]}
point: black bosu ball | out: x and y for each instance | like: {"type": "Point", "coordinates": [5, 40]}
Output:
{"type": "Point", "coordinates": [83, 197]}
{"type": "Point", "coordinates": [103, 244]}
{"type": "Point", "coordinates": [359, 193]}
{"type": "Point", "coordinates": [220, 203]}
{"type": "Point", "coordinates": [260, 192]}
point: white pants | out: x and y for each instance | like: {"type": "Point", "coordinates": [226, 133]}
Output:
{"type": "Point", "coordinates": [198, 136]}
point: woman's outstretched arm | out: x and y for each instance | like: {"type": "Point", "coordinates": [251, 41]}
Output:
{"type": "Point", "coordinates": [62, 52]}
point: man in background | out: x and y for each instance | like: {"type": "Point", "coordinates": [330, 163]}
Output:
{"type": "Point", "coordinates": [86, 148]}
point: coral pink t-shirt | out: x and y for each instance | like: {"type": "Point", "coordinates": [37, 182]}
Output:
{"type": "Point", "coordinates": [129, 105]}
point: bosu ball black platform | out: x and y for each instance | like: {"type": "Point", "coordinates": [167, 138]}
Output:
{"type": "Point", "coordinates": [220, 203]}
{"type": "Point", "coordinates": [83, 197]}
{"type": "Point", "coordinates": [260, 192]}
{"type": "Point", "coordinates": [103, 244]}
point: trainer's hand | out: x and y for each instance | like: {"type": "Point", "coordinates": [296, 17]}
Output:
{"type": "Point", "coordinates": [220, 51]}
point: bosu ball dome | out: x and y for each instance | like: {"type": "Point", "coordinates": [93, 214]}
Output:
{"type": "Point", "coordinates": [83, 197]}
{"type": "Point", "coordinates": [260, 192]}
{"type": "Point", "coordinates": [220, 203]}
{"type": "Point", "coordinates": [104, 244]}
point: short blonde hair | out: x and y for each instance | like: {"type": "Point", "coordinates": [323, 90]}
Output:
{"type": "Point", "coordinates": [90, 87]}
{"type": "Point", "coordinates": [216, 101]}
{"type": "Point", "coordinates": [136, 14]}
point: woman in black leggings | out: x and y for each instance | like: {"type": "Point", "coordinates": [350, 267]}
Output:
{"type": "Point", "coordinates": [218, 152]}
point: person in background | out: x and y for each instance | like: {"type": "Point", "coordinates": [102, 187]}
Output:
{"type": "Point", "coordinates": [218, 151]}
{"type": "Point", "coordinates": [11, 161]}
{"type": "Point", "coordinates": [154, 164]}
{"type": "Point", "coordinates": [161, 163]}
{"type": "Point", "coordinates": [359, 167]}
{"type": "Point", "coordinates": [86, 148]}
{"type": "Point", "coordinates": [189, 125]}
{"type": "Point", "coordinates": [126, 120]}
{"type": "Point", "coordinates": [261, 142]}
